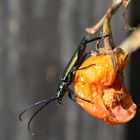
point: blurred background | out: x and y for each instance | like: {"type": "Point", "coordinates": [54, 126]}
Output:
{"type": "Point", "coordinates": [37, 39]}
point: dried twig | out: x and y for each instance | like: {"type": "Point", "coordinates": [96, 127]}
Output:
{"type": "Point", "coordinates": [131, 44]}
{"type": "Point", "coordinates": [111, 10]}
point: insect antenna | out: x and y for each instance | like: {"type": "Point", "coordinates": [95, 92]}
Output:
{"type": "Point", "coordinates": [46, 101]}
{"type": "Point", "coordinates": [29, 123]}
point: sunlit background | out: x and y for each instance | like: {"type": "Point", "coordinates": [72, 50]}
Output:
{"type": "Point", "coordinates": [37, 39]}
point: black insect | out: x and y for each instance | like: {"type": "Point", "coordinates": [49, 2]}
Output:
{"type": "Point", "coordinates": [66, 79]}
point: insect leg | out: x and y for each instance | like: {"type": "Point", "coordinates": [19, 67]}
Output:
{"type": "Point", "coordinates": [86, 67]}
{"type": "Point", "coordinates": [86, 41]}
{"type": "Point", "coordinates": [81, 51]}
{"type": "Point", "coordinates": [75, 68]}
{"type": "Point", "coordinates": [73, 96]}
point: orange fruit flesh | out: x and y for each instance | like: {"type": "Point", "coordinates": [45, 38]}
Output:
{"type": "Point", "coordinates": [103, 84]}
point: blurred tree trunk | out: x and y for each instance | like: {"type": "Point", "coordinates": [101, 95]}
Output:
{"type": "Point", "coordinates": [37, 39]}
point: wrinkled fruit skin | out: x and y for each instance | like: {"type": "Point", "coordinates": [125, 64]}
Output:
{"type": "Point", "coordinates": [103, 85]}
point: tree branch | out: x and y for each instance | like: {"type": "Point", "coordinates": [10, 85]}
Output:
{"type": "Point", "coordinates": [132, 43]}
